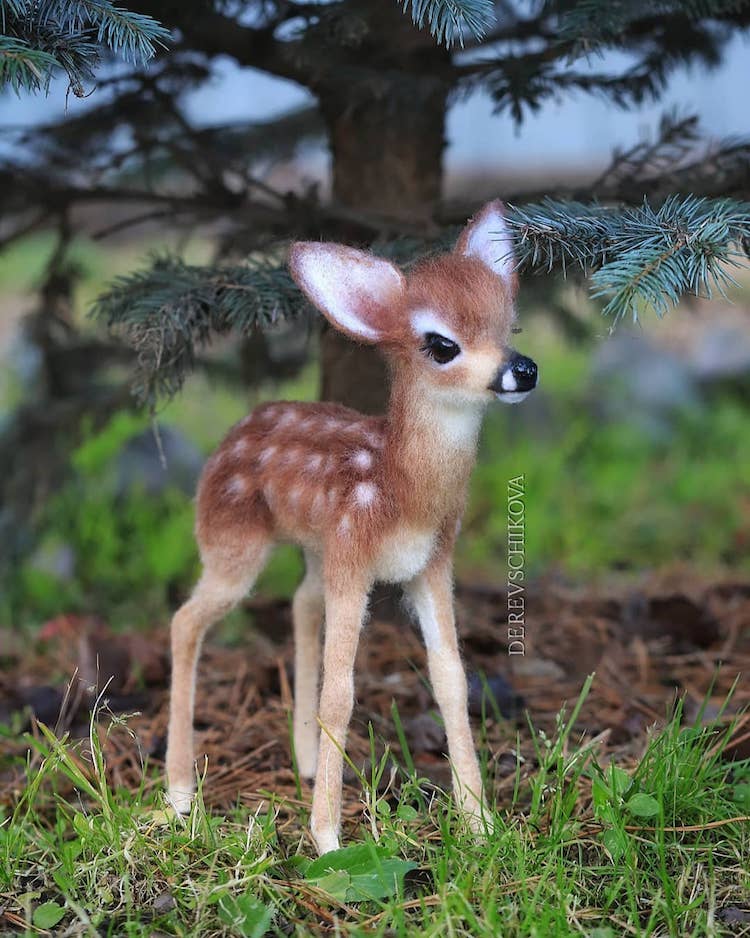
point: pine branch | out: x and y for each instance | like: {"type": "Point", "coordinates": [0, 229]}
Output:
{"type": "Point", "coordinates": [171, 309]}
{"type": "Point", "coordinates": [637, 258]}
{"type": "Point", "coordinates": [659, 37]}
{"type": "Point", "coordinates": [589, 23]}
{"type": "Point", "coordinates": [22, 67]}
{"type": "Point", "coordinates": [449, 19]}
{"type": "Point", "coordinates": [133, 36]}
{"type": "Point", "coordinates": [677, 159]}
{"type": "Point", "coordinates": [676, 138]}
{"type": "Point", "coordinates": [42, 37]}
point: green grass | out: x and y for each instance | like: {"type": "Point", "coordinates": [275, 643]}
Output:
{"type": "Point", "coordinates": [648, 848]}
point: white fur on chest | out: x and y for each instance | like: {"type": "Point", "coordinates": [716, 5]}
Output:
{"type": "Point", "coordinates": [403, 554]}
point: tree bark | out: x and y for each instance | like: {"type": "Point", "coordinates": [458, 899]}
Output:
{"type": "Point", "coordinates": [387, 137]}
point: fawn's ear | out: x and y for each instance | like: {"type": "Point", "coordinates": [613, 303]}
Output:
{"type": "Point", "coordinates": [355, 291]}
{"type": "Point", "coordinates": [487, 237]}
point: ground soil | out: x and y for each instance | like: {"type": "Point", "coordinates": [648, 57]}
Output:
{"type": "Point", "coordinates": [667, 636]}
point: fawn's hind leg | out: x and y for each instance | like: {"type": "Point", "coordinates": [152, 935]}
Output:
{"type": "Point", "coordinates": [307, 613]}
{"type": "Point", "coordinates": [226, 579]}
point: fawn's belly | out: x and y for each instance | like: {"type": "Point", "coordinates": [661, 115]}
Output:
{"type": "Point", "coordinates": [403, 555]}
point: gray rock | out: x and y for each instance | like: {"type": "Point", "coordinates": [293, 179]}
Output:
{"type": "Point", "coordinates": [724, 352]}
{"type": "Point", "coordinates": [139, 463]}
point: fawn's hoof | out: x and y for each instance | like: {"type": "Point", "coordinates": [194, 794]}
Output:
{"type": "Point", "coordinates": [181, 799]}
{"type": "Point", "coordinates": [306, 756]}
{"type": "Point", "coordinates": [325, 840]}
{"type": "Point", "coordinates": [480, 821]}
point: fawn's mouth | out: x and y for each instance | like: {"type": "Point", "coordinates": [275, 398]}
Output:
{"type": "Point", "coordinates": [511, 397]}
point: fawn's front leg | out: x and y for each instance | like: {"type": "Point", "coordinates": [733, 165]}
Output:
{"type": "Point", "coordinates": [345, 605]}
{"type": "Point", "coordinates": [431, 595]}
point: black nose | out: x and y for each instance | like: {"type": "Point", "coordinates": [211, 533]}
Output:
{"type": "Point", "coordinates": [524, 371]}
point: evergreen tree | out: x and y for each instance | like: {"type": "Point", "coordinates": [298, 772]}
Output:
{"type": "Point", "coordinates": [663, 220]}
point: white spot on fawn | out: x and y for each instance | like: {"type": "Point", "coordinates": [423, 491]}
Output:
{"type": "Point", "coordinates": [374, 438]}
{"type": "Point", "coordinates": [236, 486]}
{"type": "Point", "coordinates": [268, 453]}
{"type": "Point", "coordinates": [362, 459]}
{"type": "Point", "coordinates": [314, 462]}
{"type": "Point", "coordinates": [241, 447]}
{"type": "Point", "coordinates": [295, 495]}
{"type": "Point", "coordinates": [286, 418]}
{"type": "Point", "coordinates": [344, 524]}
{"type": "Point", "coordinates": [365, 494]}
{"type": "Point", "coordinates": [318, 505]}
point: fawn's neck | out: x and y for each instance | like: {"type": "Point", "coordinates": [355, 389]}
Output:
{"type": "Point", "coordinates": [431, 446]}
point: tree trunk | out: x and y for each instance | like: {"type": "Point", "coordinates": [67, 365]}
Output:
{"type": "Point", "coordinates": [387, 137]}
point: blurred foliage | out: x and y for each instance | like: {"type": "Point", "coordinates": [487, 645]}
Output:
{"type": "Point", "coordinates": [604, 494]}
{"type": "Point", "coordinates": [127, 549]}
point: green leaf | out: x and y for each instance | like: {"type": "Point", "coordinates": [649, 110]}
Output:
{"type": "Point", "coordinates": [643, 805]}
{"type": "Point", "coordinates": [600, 795]}
{"type": "Point", "coordinates": [615, 841]}
{"type": "Point", "coordinates": [368, 871]}
{"type": "Point", "coordinates": [47, 915]}
{"type": "Point", "coordinates": [337, 883]}
{"type": "Point", "coordinates": [245, 914]}
{"type": "Point", "coordinates": [741, 795]}
{"type": "Point", "coordinates": [407, 813]}
{"type": "Point", "coordinates": [619, 780]}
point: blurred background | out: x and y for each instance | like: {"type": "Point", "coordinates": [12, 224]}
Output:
{"type": "Point", "coordinates": [634, 449]}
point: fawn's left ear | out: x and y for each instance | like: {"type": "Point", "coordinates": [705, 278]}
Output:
{"type": "Point", "coordinates": [354, 290]}
{"type": "Point", "coordinates": [487, 237]}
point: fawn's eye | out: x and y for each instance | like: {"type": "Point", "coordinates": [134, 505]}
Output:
{"type": "Point", "coordinates": [439, 348]}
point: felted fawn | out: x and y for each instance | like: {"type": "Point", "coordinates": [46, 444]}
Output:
{"type": "Point", "coordinates": [367, 498]}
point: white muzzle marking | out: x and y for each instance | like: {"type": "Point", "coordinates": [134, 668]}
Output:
{"type": "Point", "coordinates": [512, 397]}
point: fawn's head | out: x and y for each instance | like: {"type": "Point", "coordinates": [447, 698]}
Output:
{"type": "Point", "coordinates": [447, 323]}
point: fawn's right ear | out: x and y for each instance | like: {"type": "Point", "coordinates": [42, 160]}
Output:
{"type": "Point", "coordinates": [488, 238]}
{"type": "Point", "coordinates": [355, 291]}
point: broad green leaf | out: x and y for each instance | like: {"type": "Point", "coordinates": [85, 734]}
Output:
{"type": "Point", "coordinates": [407, 813]}
{"type": "Point", "coordinates": [370, 873]}
{"type": "Point", "coordinates": [619, 780]}
{"type": "Point", "coordinates": [355, 859]}
{"type": "Point", "coordinates": [337, 883]}
{"type": "Point", "coordinates": [47, 915]}
{"type": "Point", "coordinates": [643, 805]}
{"type": "Point", "coordinates": [615, 841]}
{"type": "Point", "coordinates": [245, 914]}
{"type": "Point", "coordinates": [387, 880]}
{"type": "Point", "coordinates": [600, 794]}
